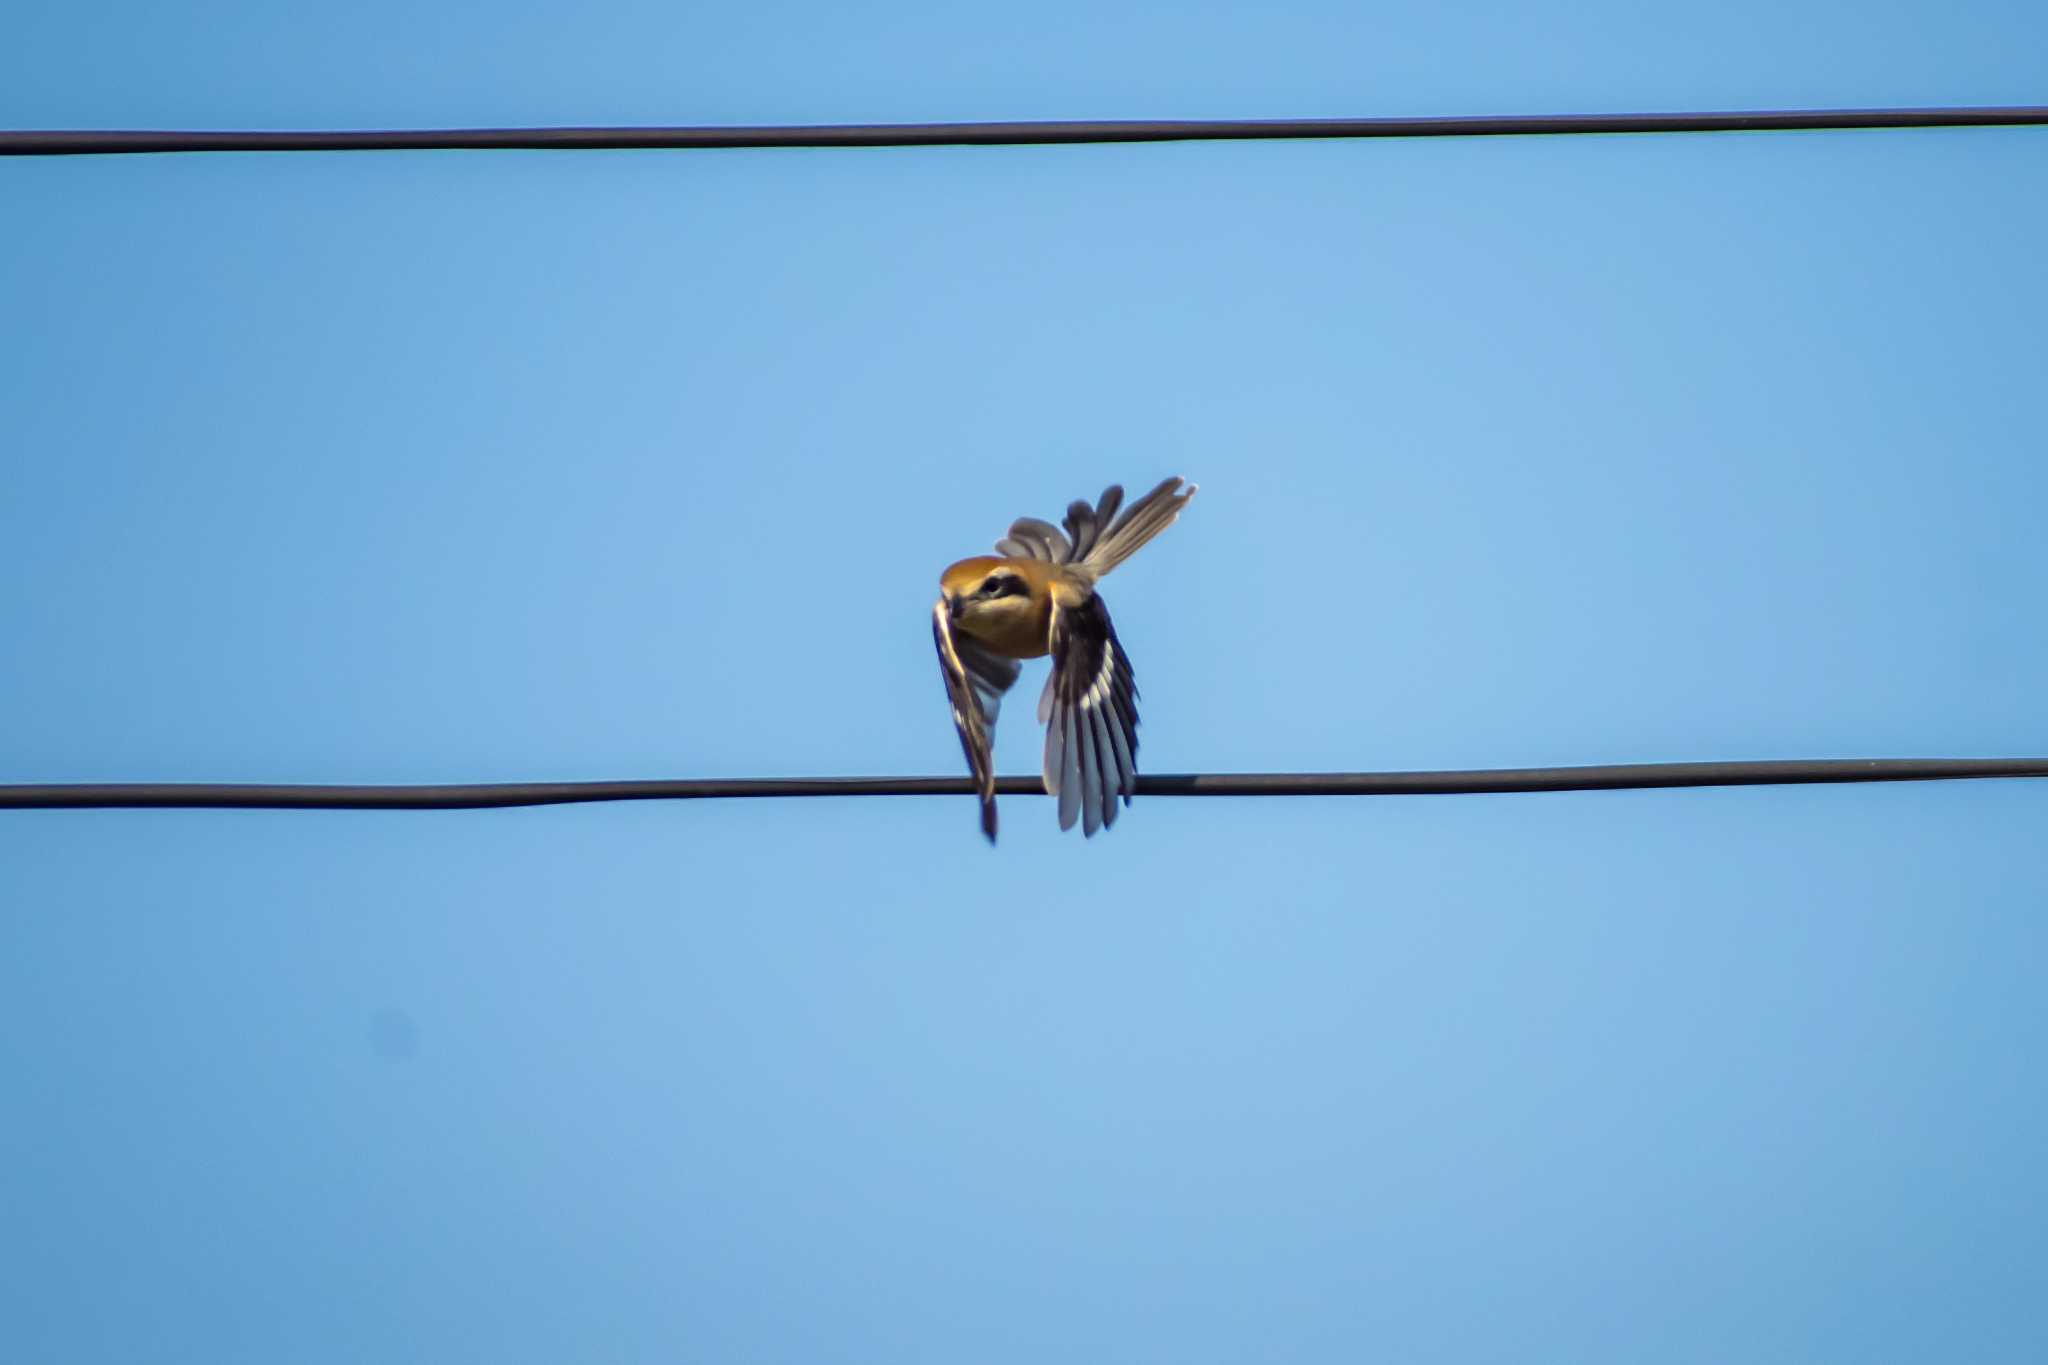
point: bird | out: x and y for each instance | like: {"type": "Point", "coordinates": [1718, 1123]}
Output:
{"type": "Point", "coordinates": [1035, 596]}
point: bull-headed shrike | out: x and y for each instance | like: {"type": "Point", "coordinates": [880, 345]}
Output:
{"type": "Point", "coordinates": [1036, 595]}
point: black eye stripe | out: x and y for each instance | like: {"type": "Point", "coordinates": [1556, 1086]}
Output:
{"type": "Point", "coordinates": [1006, 585]}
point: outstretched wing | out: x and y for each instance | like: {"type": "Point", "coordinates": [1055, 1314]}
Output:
{"type": "Point", "coordinates": [975, 683]}
{"type": "Point", "coordinates": [1090, 710]}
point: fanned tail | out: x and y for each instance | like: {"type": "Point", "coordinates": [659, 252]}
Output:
{"type": "Point", "coordinates": [1101, 544]}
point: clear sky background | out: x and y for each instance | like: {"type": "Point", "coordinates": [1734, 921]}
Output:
{"type": "Point", "coordinates": [418, 467]}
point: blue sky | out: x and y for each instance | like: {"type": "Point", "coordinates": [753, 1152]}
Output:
{"type": "Point", "coordinates": [415, 467]}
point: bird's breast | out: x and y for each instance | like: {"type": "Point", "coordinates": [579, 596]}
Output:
{"type": "Point", "coordinates": [1022, 632]}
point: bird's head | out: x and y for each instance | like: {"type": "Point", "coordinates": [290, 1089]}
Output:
{"type": "Point", "coordinates": [988, 596]}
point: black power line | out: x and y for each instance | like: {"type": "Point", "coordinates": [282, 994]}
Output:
{"type": "Point", "coordinates": [1777, 772]}
{"type": "Point", "coordinates": [64, 142]}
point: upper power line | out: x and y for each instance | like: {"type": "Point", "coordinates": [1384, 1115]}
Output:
{"type": "Point", "coordinates": [1776, 772]}
{"type": "Point", "coordinates": [60, 142]}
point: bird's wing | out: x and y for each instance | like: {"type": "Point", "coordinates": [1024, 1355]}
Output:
{"type": "Point", "coordinates": [1090, 710]}
{"type": "Point", "coordinates": [975, 683]}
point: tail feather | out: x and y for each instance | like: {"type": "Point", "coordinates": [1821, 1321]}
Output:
{"type": "Point", "coordinates": [1112, 543]}
{"type": "Point", "coordinates": [1086, 524]}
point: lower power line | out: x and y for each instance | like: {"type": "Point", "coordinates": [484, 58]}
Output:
{"type": "Point", "coordinates": [1612, 777]}
{"type": "Point", "coordinates": [86, 142]}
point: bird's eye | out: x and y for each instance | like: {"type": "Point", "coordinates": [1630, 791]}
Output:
{"type": "Point", "coordinates": [1002, 586]}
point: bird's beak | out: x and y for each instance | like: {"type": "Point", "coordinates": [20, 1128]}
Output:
{"type": "Point", "coordinates": [953, 604]}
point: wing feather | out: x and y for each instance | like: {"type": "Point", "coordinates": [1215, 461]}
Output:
{"type": "Point", "coordinates": [975, 682]}
{"type": "Point", "coordinates": [1091, 772]}
{"type": "Point", "coordinates": [1090, 710]}
{"type": "Point", "coordinates": [1069, 789]}
{"type": "Point", "coordinates": [1108, 777]}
